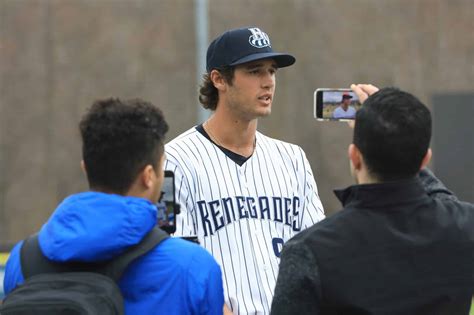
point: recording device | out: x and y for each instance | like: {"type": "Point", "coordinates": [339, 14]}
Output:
{"type": "Point", "coordinates": [335, 104]}
{"type": "Point", "coordinates": [168, 209]}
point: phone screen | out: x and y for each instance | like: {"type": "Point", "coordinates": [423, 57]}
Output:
{"type": "Point", "coordinates": [167, 204]}
{"type": "Point", "coordinates": [335, 104]}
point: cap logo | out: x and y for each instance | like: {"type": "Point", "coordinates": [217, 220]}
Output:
{"type": "Point", "coordinates": [259, 39]}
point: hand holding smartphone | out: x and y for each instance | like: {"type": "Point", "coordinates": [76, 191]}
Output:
{"type": "Point", "coordinates": [335, 104]}
{"type": "Point", "coordinates": [168, 209]}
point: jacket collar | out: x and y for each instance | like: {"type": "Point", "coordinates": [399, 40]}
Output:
{"type": "Point", "coordinates": [382, 194]}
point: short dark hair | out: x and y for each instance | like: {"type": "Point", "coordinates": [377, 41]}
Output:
{"type": "Point", "coordinates": [208, 94]}
{"type": "Point", "coordinates": [120, 138]}
{"type": "Point", "coordinates": [393, 132]}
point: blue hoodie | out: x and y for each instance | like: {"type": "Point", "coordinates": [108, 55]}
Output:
{"type": "Point", "coordinates": [176, 277]}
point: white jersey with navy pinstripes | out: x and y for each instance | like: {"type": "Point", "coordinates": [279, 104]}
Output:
{"type": "Point", "coordinates": [243, 214]}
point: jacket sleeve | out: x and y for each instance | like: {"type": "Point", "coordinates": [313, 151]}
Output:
{"type": "Point", "coordinates": [297, 289]}
{"type": "Point", "coordinates": [215, 292]}
{"type": "Point", "coordinates": [205, 279]}
{"type": "Point", "coordinates": [434, 187]}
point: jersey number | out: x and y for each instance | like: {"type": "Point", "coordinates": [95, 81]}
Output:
{"type": "Point", "coordinates": [277, 246]}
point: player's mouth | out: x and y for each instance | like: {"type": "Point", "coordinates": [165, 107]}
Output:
{"type": "Point", "coordinates": [266, 99]}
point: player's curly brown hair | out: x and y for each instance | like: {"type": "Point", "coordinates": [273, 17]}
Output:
{"type": "Point", "coordinates": [208, 94]}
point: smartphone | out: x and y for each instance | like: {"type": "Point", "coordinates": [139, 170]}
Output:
{"type": "Point", "coordinates": [335, 104]}
{"type": "Point", "coordinates": [167, 207]}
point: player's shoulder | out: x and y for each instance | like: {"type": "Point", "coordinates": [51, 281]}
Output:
{"type": "Point", "coordinates": [186, 150]}
{"type": "Point", "coordinates": [184, 143]}
{"type": "Point", "coordinates": [269, 143]}
{"type": "Point", "coordinates": [188, 135]}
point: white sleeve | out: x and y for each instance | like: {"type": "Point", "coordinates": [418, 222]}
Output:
{"type": "Point", "coordinates": [185, 221]}
{"type": "Point", "coordinates": [312, 206]}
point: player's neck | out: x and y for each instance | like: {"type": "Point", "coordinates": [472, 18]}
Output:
{"type": "Point", "coordinates": [233, 134]}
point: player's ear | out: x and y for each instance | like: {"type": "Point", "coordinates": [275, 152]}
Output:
{"type": "Point", "coordinates": [218, 80]}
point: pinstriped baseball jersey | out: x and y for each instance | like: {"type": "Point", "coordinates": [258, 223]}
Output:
{"type": "Point", "coordinates": [243, 214]}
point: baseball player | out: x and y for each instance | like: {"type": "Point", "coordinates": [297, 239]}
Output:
{"type": "Point", "coordinates": [243, 194]}
{"type": "Point", "coordinates": [345, 110]}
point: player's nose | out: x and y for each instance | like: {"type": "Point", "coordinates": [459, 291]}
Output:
{"type": "Point", "coordinates": [268, 80]}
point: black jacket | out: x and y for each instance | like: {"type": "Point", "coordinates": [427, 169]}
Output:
{"type": "Point", "coordinates": [404, 247]}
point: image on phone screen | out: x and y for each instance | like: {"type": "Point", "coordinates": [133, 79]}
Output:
{"type": "Point", "coordinates": [167, 205]}
{"type": "Point", "coordinates": [336, 104]}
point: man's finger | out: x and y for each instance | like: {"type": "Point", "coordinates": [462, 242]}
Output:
{"type": "Point", "coordinates": [361, 94]}
{"type": "Point", "coordinates": [368, 88]}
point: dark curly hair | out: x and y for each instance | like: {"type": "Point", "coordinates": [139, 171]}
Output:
{"type": "Point", "coordinates": [120, 138]}
{"type": "Point", "coordinates": [208, 94]}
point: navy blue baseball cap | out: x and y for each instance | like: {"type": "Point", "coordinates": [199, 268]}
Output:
{"type": "Point", "coordinates": [243, 45]}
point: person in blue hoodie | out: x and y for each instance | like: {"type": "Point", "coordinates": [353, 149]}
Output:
{"type": "Point", "coordinates": [123, 156]}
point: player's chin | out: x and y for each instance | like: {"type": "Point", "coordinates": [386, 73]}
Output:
{"type": "Point", "coordinates": [264, 112]}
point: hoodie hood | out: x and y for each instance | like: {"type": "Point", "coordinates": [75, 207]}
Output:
{"type": "Point", "coordinates": [93, 226]}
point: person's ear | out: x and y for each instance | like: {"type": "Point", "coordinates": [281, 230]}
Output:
{"type": "Point", "coordinates": [426, 158]}
{"type": "Point", "coordinates": [148, 176]}
{"type": "Point", "coordinates": [354, 156]}
{"type": "Point", "coordinates": [218, 80]}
